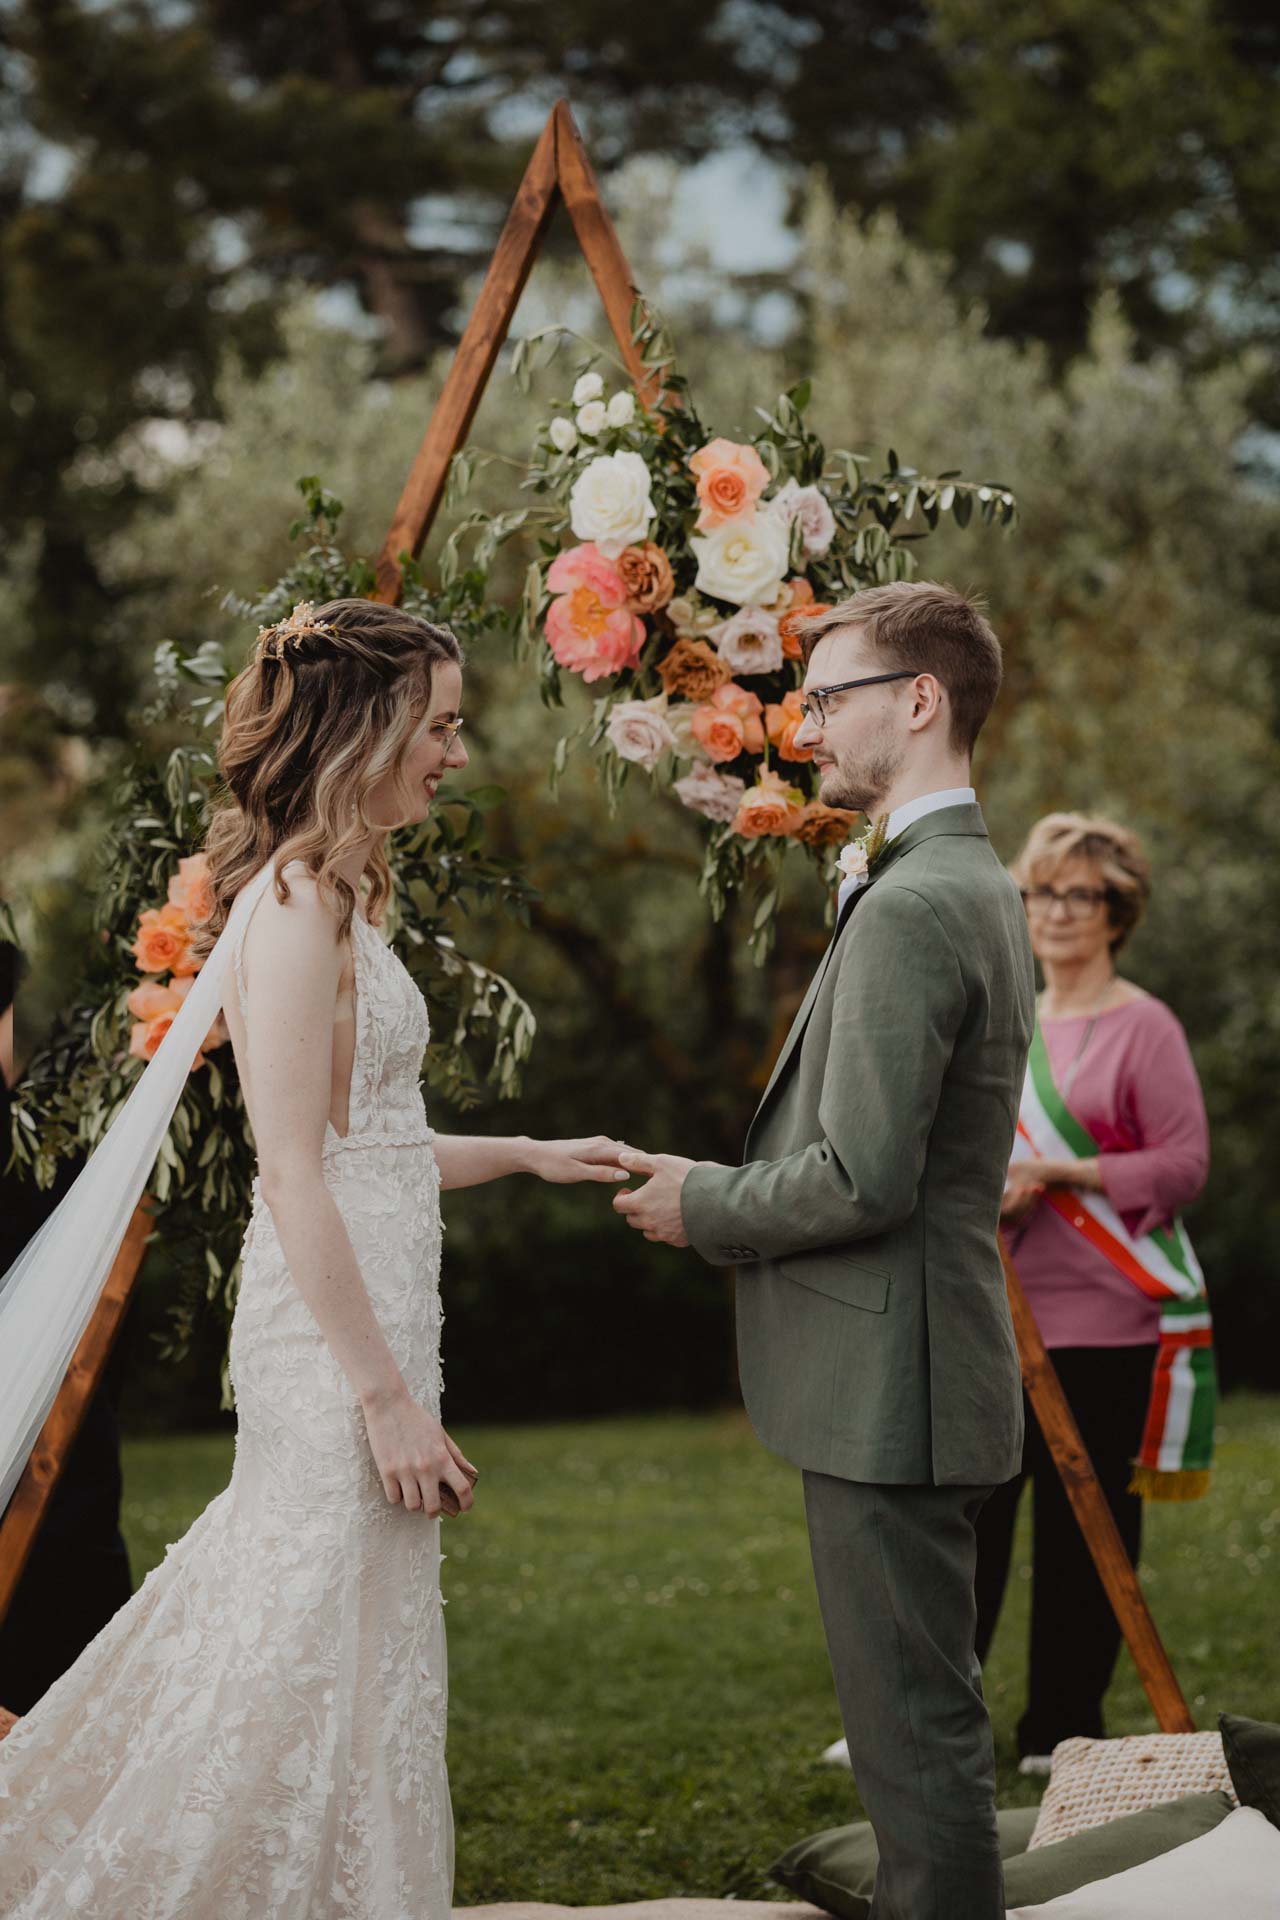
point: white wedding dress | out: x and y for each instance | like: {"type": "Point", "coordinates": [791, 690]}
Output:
{"type": "Point", "coordinates": [260, 1733]}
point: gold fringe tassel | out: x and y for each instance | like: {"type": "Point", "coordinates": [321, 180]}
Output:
{"type": "Point", "coordinates": [1153, 1484]}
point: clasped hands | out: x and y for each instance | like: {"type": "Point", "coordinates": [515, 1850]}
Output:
{"type": "Point", "coordinates": [653, 1209]}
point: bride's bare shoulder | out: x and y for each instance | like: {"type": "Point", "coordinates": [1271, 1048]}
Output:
{"type": "Point", "coordinates": [305, 920]}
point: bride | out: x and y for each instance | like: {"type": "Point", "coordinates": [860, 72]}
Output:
{"type": "Point", "coordinates": [261, 1730]}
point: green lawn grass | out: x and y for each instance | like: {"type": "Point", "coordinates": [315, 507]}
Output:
{"type": "Point", "coordinates": [639, 1684]}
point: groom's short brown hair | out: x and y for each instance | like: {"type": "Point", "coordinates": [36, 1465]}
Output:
{"type": "Point", "coordinates": [926, 628]}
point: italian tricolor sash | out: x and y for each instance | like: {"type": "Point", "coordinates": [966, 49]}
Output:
{"type": "Point", "coordinates": [1177, 1443]}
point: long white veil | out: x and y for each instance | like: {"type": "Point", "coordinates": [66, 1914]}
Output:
{"type": "Point", "coordinates": [48, 1295]}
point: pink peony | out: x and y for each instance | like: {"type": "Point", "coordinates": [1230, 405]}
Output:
{"type": "Point", "coordinates": [588, 626]}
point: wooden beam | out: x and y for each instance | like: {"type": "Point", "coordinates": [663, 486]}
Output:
{"type": "Point", "coordinates": [1097, 1523]}
{"type": "Point", "coordinates": [473, 363]}
{"type": "Point", "coordinates": [598, 238]}
{"type": "Point", "coordinates": [559, 168]}
{"type": "Point", "coordinates": [30, 1498]}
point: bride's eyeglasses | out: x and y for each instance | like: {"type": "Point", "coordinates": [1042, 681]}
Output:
{"type": "Point", "coordinates": [814, 706]}
{"type": "Point", "coordinates": [448, 732]}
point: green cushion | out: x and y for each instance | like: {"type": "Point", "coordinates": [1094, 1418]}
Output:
{"type": "Point", "coordinates": [1064, 1865]}
{"type": "Point", "coordinates": [837, 1869]}
{"type": "Point", "coordinates": [1253, 1760]}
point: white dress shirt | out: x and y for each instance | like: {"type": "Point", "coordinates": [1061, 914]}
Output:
{"type": "Point", "coordinates": [899, 820]}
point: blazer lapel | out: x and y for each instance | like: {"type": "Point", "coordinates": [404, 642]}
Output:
{"type": "Point", "coordinates": [966, 820]}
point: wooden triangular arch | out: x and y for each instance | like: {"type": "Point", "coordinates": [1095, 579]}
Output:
{"type": "Point", "coordinates": [560, 170]}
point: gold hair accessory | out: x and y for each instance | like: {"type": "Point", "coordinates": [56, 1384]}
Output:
{"type": "Point", "coordinates": [302, 622]}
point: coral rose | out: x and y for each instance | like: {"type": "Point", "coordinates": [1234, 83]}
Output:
{"type": "Point", "coordinates": [192, 890]}
{"type": "Point", "coordinates": [589, 628]}
{"type": "Point", "coordinates": [783, 723]}
{"type": "Point", "coordinates": [646, 575]}
{"type": "Point", "coordinates": [163, 944]}
{"type": "Point", "coordinates": [770, 807]}
{"type": "Point", "coordinates": [790, 622]}
{"type": "Point", "coordinates": [729, 724]}
{"type": "Point", "coordinates": [731, 479]}
{"type": "Point", "coordinates": [821, 826]}
{"type": "Point", "coordinates": [693, 670]}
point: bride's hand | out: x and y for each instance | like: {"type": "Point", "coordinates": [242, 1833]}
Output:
{"type": "Point", "coordinates": [413, 1454]}
{"type": "Point", "coordinates": [562, 1161]}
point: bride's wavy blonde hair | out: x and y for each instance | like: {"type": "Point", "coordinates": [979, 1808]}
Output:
{"type": "Point", "coordinates": [325, 709]}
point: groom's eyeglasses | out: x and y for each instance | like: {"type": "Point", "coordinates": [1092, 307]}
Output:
{"type": "Point", "coordinates": [814, 705]}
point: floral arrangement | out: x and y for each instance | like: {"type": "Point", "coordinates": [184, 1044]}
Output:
{"type": "Point", "coordinates": [163, 945]}
{"type": "Point", "coordinates": [694, 558]}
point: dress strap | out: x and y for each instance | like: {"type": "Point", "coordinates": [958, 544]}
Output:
{"type": "Point", "coordinates": [252, 893]}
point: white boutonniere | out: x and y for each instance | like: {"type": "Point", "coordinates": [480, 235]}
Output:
{"type": "Point", "coordinates": [858, 859]}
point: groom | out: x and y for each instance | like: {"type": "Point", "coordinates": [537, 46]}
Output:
{"type": "Point", "coordinates": [874, 1337]}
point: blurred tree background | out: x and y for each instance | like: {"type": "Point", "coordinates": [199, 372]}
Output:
{"type": "Point", "coordinates": [1039, 242]}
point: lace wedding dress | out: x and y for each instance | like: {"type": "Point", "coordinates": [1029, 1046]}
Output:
{"type": "Point", "coordinates": [259, 1734]}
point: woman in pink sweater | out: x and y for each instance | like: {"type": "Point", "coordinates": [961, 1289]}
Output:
{"type": "Point", "coordinates": [1117, 1059]}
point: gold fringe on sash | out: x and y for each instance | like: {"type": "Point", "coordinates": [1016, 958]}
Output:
{"type": "Point", "coordinates": [1153, 1484]}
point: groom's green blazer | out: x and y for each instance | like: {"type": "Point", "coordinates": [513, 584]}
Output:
{"type": "Point", "coordinates": [874, 1336]}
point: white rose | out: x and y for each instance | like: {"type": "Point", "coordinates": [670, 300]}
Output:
{"type": "Point", "coordinates": [610, 503]}
{"type": "Point", "coordinates": [743, 560]}
{"type": "Point", "coordinates": [809, 506]}
{"type": "Point", "coordinates": [562, 434]}
{"type": "Point", "coordinates": [639, 730]}
{"type": "Point", "coordinates": [589, 387]}
{"type": "Point", "coordinates": [621, 410]}
{"type": "Point", "coordinates": [592, 418]}
{"type": "Point", "coordinates": [750, 642]}
{"type": "Point", "coordinates": [717, 795]}
{"type": "Point", "coordinates": [852, 861]}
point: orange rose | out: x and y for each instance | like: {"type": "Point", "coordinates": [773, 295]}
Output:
{"type": "Point", "coordinates": [191, 889]}
{"type": "Point", "coordinates": [789, 622]}
{"type": "Point", "coordinates": [154, 1005]}
{"type": "Point", "coordinates": [163, 944]}
{"type": "Point", "coordinates": [692, 670]}
{"type": "Point", "coordinates": [783, 723]}
{"type": "Point", "coordinates": [646, 575]}
{"type": "Point", "coordinates": [154, 997]}
{"type": "Point", "coordinates": [147, 1034]}
{"type": "Point", "coordinates": [770, 807]}
{"type": "Point", "coordinates": [731, 479]}
{"type": "Point", "coordinates": [820, 826]}
{"type": "Point", "coordinates": [729, 723]}
{"type": "Point", "coordinates": [801, 592]}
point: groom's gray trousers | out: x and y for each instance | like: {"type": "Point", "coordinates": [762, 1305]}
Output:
{"type": "Point", "coordinates": [895, 1575]}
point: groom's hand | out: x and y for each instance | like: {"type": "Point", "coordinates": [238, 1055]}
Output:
{"type": "Point", "coordinates": [654, 1209]}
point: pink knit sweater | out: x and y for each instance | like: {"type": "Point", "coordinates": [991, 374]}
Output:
{"type": "Point", "coordinates": [1137, 1092]}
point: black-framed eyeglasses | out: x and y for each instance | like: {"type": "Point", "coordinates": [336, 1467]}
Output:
{"type": "Point", "coordinates": [814, 707]}
{"type": "Point", "coordinates": [1080, 902]}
